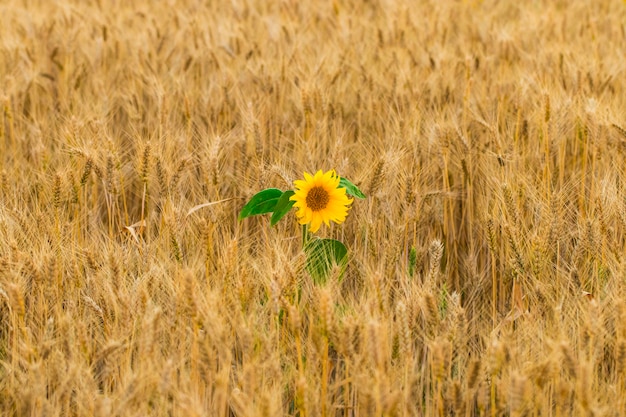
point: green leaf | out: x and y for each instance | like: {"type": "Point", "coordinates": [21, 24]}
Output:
{"type": "Point", "coordinates": [322, 256]}
{"type": "Point", "coordinates": [283, 206]}
{"type": "Point", "coordinates": [351, 189]}
{"type": "Point", "coordinates": [261, 203]}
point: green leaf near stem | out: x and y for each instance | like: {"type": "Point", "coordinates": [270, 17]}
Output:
{"type": "Point", "coordinates": [283, 206]}
{"type": "Point", "coordinates": [262, 202]}
{"type": "Point", "coordinates": [351, 189]}
{"type": "Point", "coordinates": [322, 256]}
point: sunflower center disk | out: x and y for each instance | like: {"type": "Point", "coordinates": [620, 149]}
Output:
{"type": "Point", "coordinates": [317, 198]}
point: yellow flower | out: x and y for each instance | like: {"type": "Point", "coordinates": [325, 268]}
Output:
{"type": "Point", "coordinates": [319, 199]}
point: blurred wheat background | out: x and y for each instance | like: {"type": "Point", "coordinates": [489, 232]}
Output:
{"type": "Point", "coordinates": [487, 265]}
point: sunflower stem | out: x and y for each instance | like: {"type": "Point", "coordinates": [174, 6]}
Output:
{"type": "Point", "coordinates": [305, 235]}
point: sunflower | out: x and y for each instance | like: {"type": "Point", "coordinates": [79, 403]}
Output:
{"type": "Point", "coordinates": [319, 199]}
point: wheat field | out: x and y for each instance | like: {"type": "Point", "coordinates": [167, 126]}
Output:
{"type": "Point", "coordinates": [487, 266]}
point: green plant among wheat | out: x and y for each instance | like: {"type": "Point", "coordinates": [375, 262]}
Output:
{"type": "Point", "coordinates": [319, 199]}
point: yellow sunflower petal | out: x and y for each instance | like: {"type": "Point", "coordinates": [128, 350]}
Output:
{"type": "Point", "coordinates": [301, 184]}
{"type": "Point", "coordinates": [308, 214]}
{"type": "Point", "coordinates": [316, 222]}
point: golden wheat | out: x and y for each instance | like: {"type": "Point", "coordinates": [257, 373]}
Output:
{"type": "Point", "coordinates": [486, 267]}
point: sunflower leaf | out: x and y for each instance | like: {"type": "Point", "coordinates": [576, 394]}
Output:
{"type": "Point", "coordinates": [322, 256]}
{"type": "Point", "coordinates": [261, 203]}
{"type": "Point", "coordinates": [283, 206]}
{"type": "Point", "coordinates": [351, 189]}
